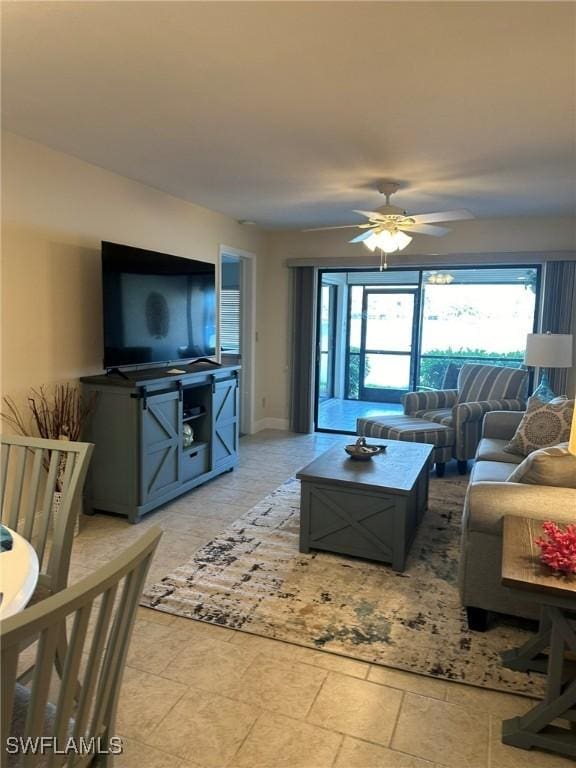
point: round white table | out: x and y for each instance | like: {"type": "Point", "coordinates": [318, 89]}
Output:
{"type": "Point", "coordinates": [18, 574]}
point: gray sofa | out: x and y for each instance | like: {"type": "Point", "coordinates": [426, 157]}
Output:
{"type": "Point", "coordinates": [488, 499]}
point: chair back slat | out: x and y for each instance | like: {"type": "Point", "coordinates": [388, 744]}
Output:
{"type": "Point", "coordinates": [113, 651]}
{"type": "Point", "coordinates": [67, 474]}
{"type": "Point", "coordinates": [70, 676]}
{"type": "Point", "coordinates": [8, 673]}
{"type": "Point", "coordinates": [65, 515]}
{"type": "Point", "coordinates": [17, 487]}
{"type": "Point", "coordinates": [124, 636]}
{"type": "Point", "coordinates": [4, 458]}
{"type": "Point", "coordinates": [33, 492]}
{"type": "Point", "coordinates": [40, 686]}
{"type": "Point", "coordinates": [94, 658]}
{"type": "Point", "coordinates": [105, 647]}
{"type": "Point", "coordinates": [45, 511]}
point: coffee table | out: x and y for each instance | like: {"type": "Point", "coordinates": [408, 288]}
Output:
{"type": "Point", "coordinates": [368, 509]}
{"type": "Point", "coordinates": [551, 651]}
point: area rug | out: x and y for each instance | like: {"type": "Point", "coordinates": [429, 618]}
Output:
{"type": "Point", "coordinates": [252, 578]}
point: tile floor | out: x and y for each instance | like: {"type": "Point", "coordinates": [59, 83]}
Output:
{"type": "Point", "coordinates": [200, 696]}
{"type": "Point", "coordinates": [339, 414]}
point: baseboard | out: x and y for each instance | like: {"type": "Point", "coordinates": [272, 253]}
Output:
{"type": "Point", "coordinates": [270, 423]}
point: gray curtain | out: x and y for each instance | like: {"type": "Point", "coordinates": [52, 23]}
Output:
{"type": "Point", "coordinates": [558, 311]}
{"type": "Point", "coordinates": [304, 302]}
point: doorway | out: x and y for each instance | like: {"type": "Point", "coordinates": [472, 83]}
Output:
{"type": "Point", "coordinates": [327, 341]}
{"type": "Point", "coordinates": [387, 349]}
{"type": "Point", "coordinates": [237, 324]}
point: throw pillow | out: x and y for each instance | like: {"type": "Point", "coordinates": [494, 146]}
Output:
{"type": "Point", "coordinates": [543, 424]}
{"type": "Point", "coordinates": [450, 380]}
{"type": "Point", "coordinates": [548, 466]}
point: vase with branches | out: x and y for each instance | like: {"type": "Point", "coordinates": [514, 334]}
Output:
{"type": "Point", "coordinates": [55, 414]}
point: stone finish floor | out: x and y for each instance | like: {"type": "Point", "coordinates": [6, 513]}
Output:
{"type": "Point", "coordinates": [341, 415]}
{"type": "Point", "coordinates": [200, 696]}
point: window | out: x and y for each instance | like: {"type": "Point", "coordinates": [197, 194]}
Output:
{"type": "Point", "coordinates": [477, 316]}
{"type": "Point", "coordinates": [230, 320]}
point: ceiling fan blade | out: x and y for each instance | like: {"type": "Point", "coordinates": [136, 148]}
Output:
{"type": "Point", "coordinates": [340, 226]}
{"type": "Point", "coordinates": [425, 229]}
{"type": "Point", "coordinates": [370, 214]}
{"type": "Point", "coordinates": [430, 218]}
{"type": "Point", "coordinates": [362, 236]}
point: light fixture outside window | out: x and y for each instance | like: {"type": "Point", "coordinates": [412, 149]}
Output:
{"type": "Point", "coordinates": [440, 278]}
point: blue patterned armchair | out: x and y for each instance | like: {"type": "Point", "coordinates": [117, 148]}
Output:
{"type": "Point", "coordinates": [481, 388]}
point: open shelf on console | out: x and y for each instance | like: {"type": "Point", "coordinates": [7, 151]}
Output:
{"type": "Point", "coordinates": [195, 416]}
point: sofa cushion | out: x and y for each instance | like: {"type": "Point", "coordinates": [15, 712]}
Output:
{"type": "Point", "coordinates": [487, 503]}
{"type": "Point", "coordinates": [490, 382]}
{"type": "Point", "coordinates": [22, 701]}
{"type": "Point", "coordinates": [491, 471]}
{"type": "Point", "coordinates": [407, 428]}
{"type": "Point", "coordinates": [491, 449]}
{"type": "Point", "coordinates": [437, 415]}
{"type": "Point", "coordinates": [548, 466]}
{"type": "Point", "coordinates": [543, 425]}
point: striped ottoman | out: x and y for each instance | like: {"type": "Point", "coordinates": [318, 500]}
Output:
{"type": "Point", "coordinates": [412, 430]}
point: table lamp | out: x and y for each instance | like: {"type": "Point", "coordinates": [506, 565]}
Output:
{"type": "Point", "coordinates": [548, 350]}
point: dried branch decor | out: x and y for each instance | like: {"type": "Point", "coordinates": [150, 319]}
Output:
{"type": "Point", "coordinates": [59, 415]}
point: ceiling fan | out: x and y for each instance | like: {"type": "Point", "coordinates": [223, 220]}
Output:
{"type": "Point", "coordinates": [386, 228]}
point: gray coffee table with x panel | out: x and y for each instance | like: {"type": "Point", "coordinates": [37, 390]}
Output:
{"type": "Point", "coordinates": [366, 509]}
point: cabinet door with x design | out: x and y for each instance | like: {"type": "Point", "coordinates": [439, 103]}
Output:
{"type": "Point", "coordinates": [225, 422]}
{"type": "Point", "coordinates": [160, 445]}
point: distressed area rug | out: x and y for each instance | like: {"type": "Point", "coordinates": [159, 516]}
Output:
{"type": "Point", "coordinates": [252, 578]}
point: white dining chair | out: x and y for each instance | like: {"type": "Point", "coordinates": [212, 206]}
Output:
{"type": "Point", "coordinates": [101, 610]}
{"type": "Point", "coordinates": [41, 484]}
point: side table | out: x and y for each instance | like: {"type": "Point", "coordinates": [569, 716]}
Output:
{"type": "Point", "coordinates": [523, 571]}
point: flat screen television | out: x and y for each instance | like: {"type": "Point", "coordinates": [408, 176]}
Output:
{"type": "Point", "coordinates": [158, 308]}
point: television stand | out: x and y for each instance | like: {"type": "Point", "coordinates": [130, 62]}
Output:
{"type": "Point", "coordinates": [143, 457]}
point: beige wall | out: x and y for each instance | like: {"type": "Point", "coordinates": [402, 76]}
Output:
{"type": "Point", "coordinates": [56, 210]}
{"type": "Point", "coordinates": [498, 240]}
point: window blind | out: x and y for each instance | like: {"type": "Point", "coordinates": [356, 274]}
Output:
{"type": "Point", "coordinates": [230, 320]}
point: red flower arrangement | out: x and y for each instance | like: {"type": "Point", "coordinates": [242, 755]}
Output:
{"type": "Point", "coordinates": [559, 548]}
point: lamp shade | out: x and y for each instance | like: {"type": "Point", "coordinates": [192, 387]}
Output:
{"type": "Point", "coordinates": [549, 350]}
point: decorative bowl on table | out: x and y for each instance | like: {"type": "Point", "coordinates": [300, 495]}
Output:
{"type": "Point", "coordinates": [361, 451]}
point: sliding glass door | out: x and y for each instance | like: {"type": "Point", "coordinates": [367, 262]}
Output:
{"type": "Point", "coordinates": [328, 307]}
{"type": "Point", "coordinates": [386, 361]}
{"type": "Point", "coordinates": [381, 334]}
{"type": "Point", "coordinates": [475, 316]}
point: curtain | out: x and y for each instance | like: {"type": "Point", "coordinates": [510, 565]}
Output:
{"type": "Point", "coordinates": [558, 314]}
{"type": "Point", "coordinates": [304, 303]}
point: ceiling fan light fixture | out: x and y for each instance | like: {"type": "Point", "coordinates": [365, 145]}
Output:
{"type": "Point", "coordinates": [387, 241]}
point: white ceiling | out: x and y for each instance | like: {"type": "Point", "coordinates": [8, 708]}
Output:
{"type": "Point", "coordinates": [287, 113]}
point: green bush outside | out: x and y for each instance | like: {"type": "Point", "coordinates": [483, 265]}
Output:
{"type": "Point", "coordinates": [354, 374]}
{"type": "Point", "coordinates": [432, 371]}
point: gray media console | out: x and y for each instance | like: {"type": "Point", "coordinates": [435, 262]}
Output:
{"type": "Point", "coordinates": [137, 427]}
